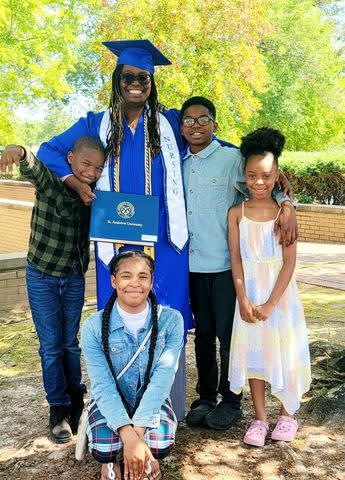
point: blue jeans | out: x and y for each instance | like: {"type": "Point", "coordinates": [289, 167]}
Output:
{"type": "Point", "coordinates": [56, 304]}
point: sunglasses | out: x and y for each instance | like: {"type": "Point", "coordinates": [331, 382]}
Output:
{"type": "Point", "coordinates": [142, 77]}
{"type": "Point", "coordinates": [202, 120]}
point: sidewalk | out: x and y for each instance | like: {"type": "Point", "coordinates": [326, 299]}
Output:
{"type": "Point", "coordinates": [321, 264]}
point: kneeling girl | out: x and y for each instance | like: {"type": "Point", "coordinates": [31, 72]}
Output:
{"type": "Point", "coordinates": [130, 420]}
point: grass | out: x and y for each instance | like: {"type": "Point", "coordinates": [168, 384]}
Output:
{"type": "Point", "coordinates": [324, 309]}
{"type": "Point", "coordinates": [324, 304]}
{"type": "Point", "coordinates": [335, 154]}
{"type": "Point", "coordinates": [19, 344]}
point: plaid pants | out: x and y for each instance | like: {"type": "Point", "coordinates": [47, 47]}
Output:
{"type": "Point", "coordinates": [106, 446]}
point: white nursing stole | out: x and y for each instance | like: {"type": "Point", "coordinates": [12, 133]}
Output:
{"type": "Point", "coordinates": [173, 188]}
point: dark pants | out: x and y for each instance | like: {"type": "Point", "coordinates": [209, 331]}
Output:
{"type": "Point", "coordinates": [213, 298]}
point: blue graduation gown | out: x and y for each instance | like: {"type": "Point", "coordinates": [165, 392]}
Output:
{"type": "Point", "coordinates": [171, 274]}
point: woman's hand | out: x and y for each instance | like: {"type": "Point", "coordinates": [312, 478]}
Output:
{"type": "Point", "coordinates": [262, 312]}
{"type": "Point", "coordinates": [247, 310]}
{"type": "Point", "coordinates": [135, 453]}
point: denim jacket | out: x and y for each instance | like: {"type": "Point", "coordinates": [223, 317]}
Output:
{"type": "Point", "coordinates": [122, 346]}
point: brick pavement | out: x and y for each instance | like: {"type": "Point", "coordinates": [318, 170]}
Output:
{"type": "Point", "coordinates": [321, 264]}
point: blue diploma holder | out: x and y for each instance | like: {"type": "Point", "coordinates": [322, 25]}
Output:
{"type": "Point", "coordinates": [124, 218]}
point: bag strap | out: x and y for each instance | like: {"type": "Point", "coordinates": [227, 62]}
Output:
{"type": "Point", "coordinates": [140, 349]}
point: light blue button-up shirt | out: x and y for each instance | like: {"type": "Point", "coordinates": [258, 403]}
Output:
{"type": "Point", "coordinates": [214, 182]}
{"type": "Point", "coordinates": [123, 346]}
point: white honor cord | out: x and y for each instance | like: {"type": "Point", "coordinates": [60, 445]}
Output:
{"type": "Point", "coordinates": [111, 471]}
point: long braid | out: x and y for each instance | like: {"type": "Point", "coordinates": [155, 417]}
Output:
{"type": "Point", "coordinates": [115, 133]}
{"type": "Point", "coordinates": [114, 266]}
{"type": "Point", "coordinates": [153, 342]}
{"type": "Point", "coordinates": [105, 342]}
{"type": "Point", "coordinates": [153, 120]}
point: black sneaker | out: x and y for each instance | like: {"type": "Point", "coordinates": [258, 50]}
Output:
{"type": "Point", "coordinates": [198, 412]}
{"type": "Point", "coordinates": [223, 416]}
{"type": "Point", "coordinates": [59, 427]}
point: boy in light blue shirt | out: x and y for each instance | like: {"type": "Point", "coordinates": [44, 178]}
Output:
{"type": "Point", "coordinates": [214, 182]}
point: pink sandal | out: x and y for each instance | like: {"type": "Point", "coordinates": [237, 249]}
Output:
{"type": "Point", "coordinates": [285, 430]}
{"type": "Point", "coordinates": [256, 433]}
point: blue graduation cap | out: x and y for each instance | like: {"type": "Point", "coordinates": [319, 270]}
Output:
{"type": "Point", "coordinates": [137, 53]}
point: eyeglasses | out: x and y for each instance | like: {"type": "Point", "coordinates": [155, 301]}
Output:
{"type": "Point", "coordinates": [202, 120]}
{"type": "Point", "coordinates": [142, 77]}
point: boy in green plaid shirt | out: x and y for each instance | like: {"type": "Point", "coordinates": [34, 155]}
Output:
{"type": "Point", "coordinates": [57, 261]}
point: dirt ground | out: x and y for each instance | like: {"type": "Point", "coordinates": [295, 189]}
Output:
{"type": "Point", "coordinates": [27, 454]}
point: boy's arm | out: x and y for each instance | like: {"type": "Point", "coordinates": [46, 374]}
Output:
{"type": "Point", "coordinates": [286, 223]}
{"type": "Point", "coordinates": [30, 167]}
{"type": "Point", "coordinates": [246, 308]}
{"type": "Point", "coordinates": [283, 280]}
{"type": "Point", "coordinates": [83, 189]}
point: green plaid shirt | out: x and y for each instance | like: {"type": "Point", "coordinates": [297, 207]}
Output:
{"type": "Point", "coordinates": [59, 223]}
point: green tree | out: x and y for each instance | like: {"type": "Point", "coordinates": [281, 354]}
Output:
{"type": "Point", "coordinates": [38, 40]}
{"type": "Point", "coordinates": [213, 45]}
{"type": "Point", "coordinates": [304, 97]}
{"type": "Point", "coordinates": [32, 133]}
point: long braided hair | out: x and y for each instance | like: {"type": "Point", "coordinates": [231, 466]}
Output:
{"type": "Point", "coordinates": [114, 267]}
{"type": "Point", "coordinates": [115, 133]}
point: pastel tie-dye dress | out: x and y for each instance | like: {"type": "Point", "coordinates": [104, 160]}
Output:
{"type": "Point", "coordinates": [275, 350]}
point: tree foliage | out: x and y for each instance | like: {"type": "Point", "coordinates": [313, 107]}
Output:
{"type": "Point", "coordinates": [316, 176]}
{"type": "Point", "coordinates": [32, 133]}
{"type": "Point", "coordinates": [304, 97]}
{"type": "Point", "coordinates": [213, 45]}
{"type": "Point", "coordinates": [266, 62]}
{"type": "Point", "coordinates": [37, 51]}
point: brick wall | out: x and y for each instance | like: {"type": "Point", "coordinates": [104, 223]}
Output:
{"type": "Point", "coordinates": [14, 225]}
{"type": "Point", "coordinates": [13, 284]}
{"type": "Point", "coordinates": [15, 190]}
{"type": "Point", "coordinates": [317, 223]}
{"type": "Point", "coordinates": [321, 223]}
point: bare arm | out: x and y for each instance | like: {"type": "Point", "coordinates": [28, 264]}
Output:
{"type": "Point", "coordinates": [262, 312]}
{"type": "Point", "coordinates": [246, 307]}
{"type": "Point", "coordinates": [135, 452]}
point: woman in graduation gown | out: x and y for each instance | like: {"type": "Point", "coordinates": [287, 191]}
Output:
{"type": "Point", "coordinates": [142, 145]}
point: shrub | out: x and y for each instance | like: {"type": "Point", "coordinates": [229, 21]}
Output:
{"type": "Point", "coordinates": [316, 177]}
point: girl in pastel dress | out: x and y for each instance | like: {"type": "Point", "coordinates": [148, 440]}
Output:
{"type": "Point", "coordinates": [269, 339]}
